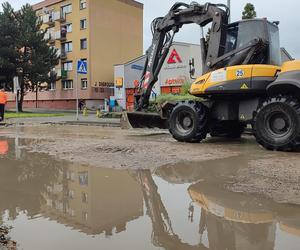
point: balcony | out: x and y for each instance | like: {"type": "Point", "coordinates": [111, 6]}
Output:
{"type": "Point", "coordinates": [64, 74]}
{"type": "Point", "coordinates": [48, 19]}
{"type": "Point", "coordinates": [61, 35]}
{"type": "Point", "coordinates": [49, 37]}
{"type": "Point", "coordinates": [58, 73]}
{"type": "Point", "coordinates": [63, 55]}
{"type": "Point", "coordinates": [58, 52]}
{"type": "Point", "coordinates": [62, 18]}
{"type": "Point", "coordinates": [56, 16]}
{"type": "Point", "coordinates": [52, 40]}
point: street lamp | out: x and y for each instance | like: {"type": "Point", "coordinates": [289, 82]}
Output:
{"type": "Point", "coordinates": [229, 6]}
{"type": "Point", "coordinates": [17, 79]}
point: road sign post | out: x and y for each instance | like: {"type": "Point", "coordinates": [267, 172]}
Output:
{"type": "Point", "coordinates": [16, 91]}
{"type": "Point", "coordinates": [81, 69]}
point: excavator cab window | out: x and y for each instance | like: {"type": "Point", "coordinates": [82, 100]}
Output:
{"type": "Point", "coordinates": [231, 39]}
{"type": "Point", "coordinates": [274, 47]}
{"type": "Point", "coordinates": [241, 34]}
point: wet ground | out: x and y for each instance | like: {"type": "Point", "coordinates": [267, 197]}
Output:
{"type": "Point", "coordinates": [69, 187]}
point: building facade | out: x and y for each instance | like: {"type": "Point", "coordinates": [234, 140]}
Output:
{"type": "Point", "coordinates": [100, 32]}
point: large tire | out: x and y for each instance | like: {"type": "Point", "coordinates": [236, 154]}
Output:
{"type": "Point", "coordinates": [277, 123]}
{"type": "Point", "coordinates": [227, 129]}
{"type": "Point", "coordinates": [189, 122]}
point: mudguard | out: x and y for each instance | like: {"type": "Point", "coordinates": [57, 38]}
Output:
{"type": "Point", "coordinates": [288, 81]}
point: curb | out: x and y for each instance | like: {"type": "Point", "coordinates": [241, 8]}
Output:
{"type": "Point", "coordinates": [82, 123]}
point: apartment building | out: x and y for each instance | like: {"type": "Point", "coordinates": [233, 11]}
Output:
{"type": "Point", "coordinates": [100, 32]}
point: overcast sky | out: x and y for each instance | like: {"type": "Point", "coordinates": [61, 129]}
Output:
{"type": "Point", "coordinates": [287, 12]}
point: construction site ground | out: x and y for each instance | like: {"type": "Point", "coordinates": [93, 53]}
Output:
{"type": "Point", "coordinates": [238, 169]}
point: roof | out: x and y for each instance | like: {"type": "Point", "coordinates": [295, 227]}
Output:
{"type": "Point", "coordinates": [132, 61]}
{"type": "Point", "coordinates": [47, 3]}
{"type": "Point", "coordinates": [133, 3]}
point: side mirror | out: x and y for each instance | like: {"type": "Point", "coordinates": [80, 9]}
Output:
{"type": "Point", "coordinates": [192, 68]}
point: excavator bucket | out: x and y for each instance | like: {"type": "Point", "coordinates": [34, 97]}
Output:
{"type": "Point", "coordinates": [143, 120]}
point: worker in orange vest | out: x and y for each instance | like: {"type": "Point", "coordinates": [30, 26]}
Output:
{"type": "Point", "coordinates": [3, 101]}
{"type": "Point", "coordinates": [3, 147]}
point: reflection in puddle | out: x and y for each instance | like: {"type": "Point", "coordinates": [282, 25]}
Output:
{"type": "Point", "coordinates": [3, 147]}
{"type": "Point", "coordinates": [58, 205]}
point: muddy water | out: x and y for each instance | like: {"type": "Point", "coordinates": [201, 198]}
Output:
{"type": "Point", "coordinates": [54, 204]}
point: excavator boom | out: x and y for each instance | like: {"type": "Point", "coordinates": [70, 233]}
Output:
{"type": "Point", "coordinates": [164, 30]}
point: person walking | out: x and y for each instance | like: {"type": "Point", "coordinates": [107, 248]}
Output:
{"type": "Point", "coordinates": [3, 101]}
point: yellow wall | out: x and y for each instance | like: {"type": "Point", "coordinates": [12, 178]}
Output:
{"type": "Point", "coordinates": [116, 36]}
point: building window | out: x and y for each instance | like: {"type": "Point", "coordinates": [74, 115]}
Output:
{"type": "Point", "coordinates": [84, 216]}
{"type": "Point", "coordinates": [71, 194]}
{"type": "Point", "coordinates": [84, 83]}
{"type": "Point", "coordinates": [68, 27]}
{"type": "Point", "coordinates": [83, 24]}
{"type": "Point", "coordinates": [67, 84]}
{"type": "Point", "coordinates": [83, 178]}
{"type": "Point", "coordinates": [82, 4]}
{"type": "Point", "coordinates": [66, 9]}
{"type": "Point", "coordinates": [67, 47]}
{"type": "Point", "coordinates": [52, 86]}
{"type": "Point", "coordinates": [68, 66]}
{"type": "Point", "coordinates": [83, 43]}
{"type": "Point", "coordinates": [70, 176]}
{"type": "Point", "coordinates": [84, 197]}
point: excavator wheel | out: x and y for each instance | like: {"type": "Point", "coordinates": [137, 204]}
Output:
{"type": "Point", "coordinates": [277, 123]}
{"type": "Point", "coordinates": [228, 129]}
{"type": "Point", "coordinates": [189, 121]}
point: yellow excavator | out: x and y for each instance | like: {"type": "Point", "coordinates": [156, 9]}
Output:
{"type": "Point", "coordinates": [243, 82]}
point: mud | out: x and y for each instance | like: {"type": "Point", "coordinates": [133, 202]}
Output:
{"type": "Point", "coordinates": [276, 178]}
{"type": "Point", "coordinates": [115, 148]}
{"type": "Point", "coordinates": [5, 242]}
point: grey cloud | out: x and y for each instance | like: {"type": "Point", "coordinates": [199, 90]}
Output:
{"type": "Point", "coordinates": [284, 11]}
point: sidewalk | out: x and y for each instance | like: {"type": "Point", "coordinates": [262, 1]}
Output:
{"type": "Point", "coordinates": [68, 120]}
{"type": "Point", "coordinates": [50, 111]}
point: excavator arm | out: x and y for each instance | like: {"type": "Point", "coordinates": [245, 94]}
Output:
{"type": "Point", "coordinates": [164, 30]}
{"type": "Point", "coordinates": [163, 235]}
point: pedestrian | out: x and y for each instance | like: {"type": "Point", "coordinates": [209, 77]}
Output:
{"type": "Point", "coordinates": [3, 101]}
{"type": "Point", "coordinates": [80, 105]}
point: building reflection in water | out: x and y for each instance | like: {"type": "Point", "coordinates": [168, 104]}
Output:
{"type": "Point", "coordinates": [103, 201]}
{"type": "Point", "coordinates": [4, 147]}
{"type": "Point", "coordinates": [93, 200]}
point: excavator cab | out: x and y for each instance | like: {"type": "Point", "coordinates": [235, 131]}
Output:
{"type": "Point", "coordinates": [253, 41]}
{"type": "Point", "coordinates": [240, 34]}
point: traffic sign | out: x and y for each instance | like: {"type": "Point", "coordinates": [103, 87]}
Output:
{"type": "Point", "coordinates": [16, 84]}
{"type": "Point", "coordinates": [82, 67]}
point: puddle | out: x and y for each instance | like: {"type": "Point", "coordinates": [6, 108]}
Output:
{"type": "Point", "coordinates": [52, 204]}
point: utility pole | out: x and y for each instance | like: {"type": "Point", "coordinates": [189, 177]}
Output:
{"type": "Point", "coordinates": [229, 6]}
